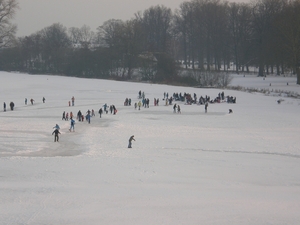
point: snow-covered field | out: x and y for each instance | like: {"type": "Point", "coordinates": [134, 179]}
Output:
{"type": "Point", "coordinates": [189, 168]}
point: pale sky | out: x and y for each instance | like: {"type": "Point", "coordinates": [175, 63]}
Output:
{"type": "Point", "coordinates": [35, 15]}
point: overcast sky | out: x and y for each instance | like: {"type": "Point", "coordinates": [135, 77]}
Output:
{"type": "Point", "coordinates": [35, 15]}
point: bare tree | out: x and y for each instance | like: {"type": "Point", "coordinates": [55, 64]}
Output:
{"type": "Point", "coordinates": [131, 43]}
{"type": "Point", "coordinates": [157, 27]}
{"type": "Point", "coordinates": [264, 12]}
{"type": "Point", "coordinates": [239, 28]}
{"type": "Point", "coordinates": [108, 32]}
{"type": "Point", "coordinates": [185, 20]}
{"type": "Point", "coordinates": [287, 25]}
{"type": "Point", "coordinates": [87, 35]}
{"type": "Point", "coordinates": [7, 29]}
{"type": "Point", "coordinates": [75, 35]}
{"type": "Point", "coordinates": [83, 36]}
{"type": "Point", "coordinates": [30, 48]}
{"type": "Point", "coordinates": [54, 45]}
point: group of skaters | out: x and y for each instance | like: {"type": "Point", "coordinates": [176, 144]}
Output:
{"type": "Point", "coordinates": [88, 115]}
{"type": "Point", "coordinates": [32, 101]}
{"type": "Point", "coordinates": [141, 95]}
{"type": "Point", "coordinates": [189, 99]}
{"type": "Point", "coordinates": [56, 128]}
{"type": "Point", "coordinates": [66, 116]}
{"type": "Point", "coordinates": [12, 104]}
{"type": "Point", "coordinates": [169, 101]}
{"type": "Point", "coordinates": [80, 116]}
{"type": "Point", "coordinates": [176, 108]}
{"type": "Point", "coordinates": [112, 108]}
{"type": "Point", "coordinates": [127, 102]}
{"type": "Point", "coordinates": [186, 98]}
{"type": "Point", "coordinates": [231, 99]}
{"type": "Point", "coordinates": [145, 102]}
{"type": "Point", "coordinates": [138, 105]}
{"type": "Point", "coordinates": [72, 101]}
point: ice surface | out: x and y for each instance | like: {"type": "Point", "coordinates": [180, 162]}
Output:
{"type": "Point", "coordinates": [188, 168]}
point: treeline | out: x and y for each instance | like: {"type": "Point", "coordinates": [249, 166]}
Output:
{"type": "Point", "coordinates": [202, 35]}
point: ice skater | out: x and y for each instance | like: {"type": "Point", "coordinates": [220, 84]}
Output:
{"type": "Point", "coordinates": [56, 127]}
{"type": "Point", "coordinates": [178, 109]}
{"type": "Point", "coordinates": [174, 108]}
{"type": "Point", "coordinates": [88, 116]}
{"type": "Point", "coordinates": [12, 105]}
{"type": "Point", "coordinates": [130, 141]}
{"type": "Point", "coordinates": [73, 101]}
{"type": "Point", "coordinates": [56, 132]}
{"type": "Point", "coordinates": [100, 112]}
{"type": "Point", "coordinates": [105, 108]}
{"type": "Point", "coordinates": [63, 116]}
{"type": "Point", "coordinates": [72, 127]}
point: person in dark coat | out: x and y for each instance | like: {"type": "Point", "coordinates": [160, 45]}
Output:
{"type": "Point", "coordinates": [73, 100]}
{"type": "Point", "coordinates": [100, 112]}
{"type": "Point", "coordinates": [56, 132]}
{"type": "Point", "coordinates": [114, 109]}
{"type": "Point", "coordinates": [63, 116]}
{"type": "Point", "coordinates": [79, 115]}
{"type": "Point", "coordinates": [174, 108]}
{"type": "Point", "coordinates": [130, 141]}
{"type": "Point", "coordinates": [12, 105]}
{"type": "Point", "coordinates": [4, 106]}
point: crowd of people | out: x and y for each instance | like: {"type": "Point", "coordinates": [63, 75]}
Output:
{"type": "Point", "coordinates": [80, 117]}
{"type": "Point", "coordinates": [185, 98]}
{"type": "Point", "coordinates": [12, 104]}
{"type": "Point", "coordinates": [145, 102]}
{"type": "Point", "coordinates": [127, 102]}
{"type": "Point", "coordinates": [189, 99]}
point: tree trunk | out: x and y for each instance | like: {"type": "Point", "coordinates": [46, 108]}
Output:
{"type": "Point", "coordinates": [282, 68]}
{"type": "Point", "coordinates": [261, 70]}
{"type": "Point", "coordinates": [298, 75]}
{"type": "Point", "coordinates": [277, 69]}
{"type": "Point", "coordinates": [272, 69]}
